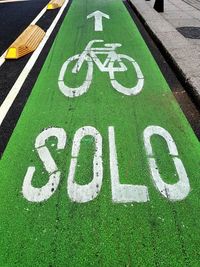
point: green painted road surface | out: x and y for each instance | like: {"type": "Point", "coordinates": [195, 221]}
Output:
{"type": "Point", "coordinates": [107, 173]}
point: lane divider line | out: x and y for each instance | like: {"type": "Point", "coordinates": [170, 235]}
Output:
{"type": "Point", "coordinates": [4, 108]}
{"type": "Point", "coordinates": [2, 57]}
{"type": "Point", "coordinates": [38, 16]}
{"type": "Point", "coordinates": [12, 1]}
{"type": "Point", "coordinates": [26, 43]}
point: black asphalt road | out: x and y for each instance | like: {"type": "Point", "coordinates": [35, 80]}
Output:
{"type": "Point", "coordinates": [11, 69]}
{"type": "Point", "coordinates": [15, 17]}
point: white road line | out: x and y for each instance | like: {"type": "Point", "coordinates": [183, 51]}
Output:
{"type": "Point", "coordinates": [2, 58]}
{"type": "Point", "coordinates": [39, 16]}
{"type": "Point", "coordinates": [4, 108]}
{"type": "Point", "coordinates": [10, 1]}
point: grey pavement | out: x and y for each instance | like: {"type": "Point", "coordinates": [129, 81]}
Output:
{"type": "Point", "coordinates": [170, 29]}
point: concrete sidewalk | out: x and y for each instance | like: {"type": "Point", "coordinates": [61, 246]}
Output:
{"type": "Point", "coordinates": [170, 30]}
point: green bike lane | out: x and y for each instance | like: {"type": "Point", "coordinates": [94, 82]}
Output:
{"type": "Point", "coordinates": [114, 202]}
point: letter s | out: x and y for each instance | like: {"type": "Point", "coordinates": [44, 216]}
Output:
{"type": "Point", "coordinates": [34, 194]}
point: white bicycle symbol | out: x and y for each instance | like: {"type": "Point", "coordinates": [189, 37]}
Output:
{"type": "Point", "coordinates": [90, 55]}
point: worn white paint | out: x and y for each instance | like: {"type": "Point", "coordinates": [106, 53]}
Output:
{"type": "Point", "coordinates": [135, 90]}
{"type": "Point", "coordinates": [32, 193]}
{"type": "Point", "coordinates": [174, 192]}
{"type": "Point", "coordinates": [75, 92]}
{"type": "Point", "coordinates": [12, 1]}
{"type": "Point", "coordinates": [4, 108]}
{"type": "Point", "coordinates": [2, 58]}
{"type": "Point", "coordinates": [123, 193]}
{"type": "Point", "coordinates": [90, 55]}
{"type": "Point", "coordinates": [98, 23]}
{"type": "Point", "coordinates": [84, 193]}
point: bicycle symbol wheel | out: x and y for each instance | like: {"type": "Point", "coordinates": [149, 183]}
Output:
{"type": "Point", "coordinates": [122, 89]}
{"type": "Point", "coordinates": [78, 91]}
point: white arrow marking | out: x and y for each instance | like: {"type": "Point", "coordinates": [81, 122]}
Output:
{"type": "Point", "coordinates": [98, 15]}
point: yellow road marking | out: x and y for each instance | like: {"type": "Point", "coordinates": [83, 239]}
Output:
{"type": "Point", "coordinates": [53, 4]}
